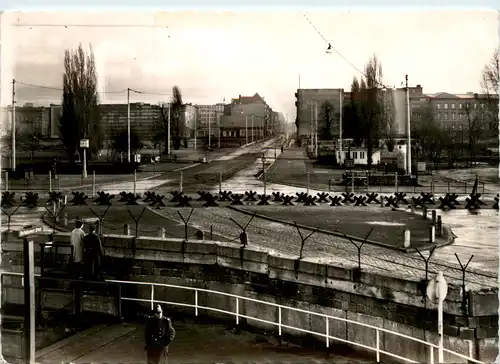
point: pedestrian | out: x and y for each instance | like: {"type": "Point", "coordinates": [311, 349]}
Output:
{"type": "Point", "coordinates": [77, 236]}
{"type": "Point", "coordinates": [158, 336]}
{"type": "Point", "coordinates": [93, 253]}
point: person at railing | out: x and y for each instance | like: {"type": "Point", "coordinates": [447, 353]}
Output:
{"type": "Point", "coordinates": [93, 253]}
{"type": "Point", "coordinates": [77, 236]}
{"type": "Point", "coordinates": [158, 336]}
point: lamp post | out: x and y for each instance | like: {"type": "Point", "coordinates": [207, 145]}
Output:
{"type": "Point", "coordinates": [264, 171]}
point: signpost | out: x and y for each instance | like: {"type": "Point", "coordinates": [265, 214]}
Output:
{"type": "Point", "coordinates": [28, 230]}
{"type": "Point", "coordinates": [437, 289]}
{"type": "Point", "coordinates": [84, 144]}
{"type": "Point", "coordinates": [263, 159]}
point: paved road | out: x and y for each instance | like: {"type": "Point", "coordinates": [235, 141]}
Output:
{"type": "Point", "coordinates": [194, 343]}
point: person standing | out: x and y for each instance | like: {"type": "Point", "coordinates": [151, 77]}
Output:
{"type": "Point", "coordinates": [93, 253]}
{"type": "Point", "coordinates": [77, 236]}
{"type": "Point", "coordinates": [158, 336]}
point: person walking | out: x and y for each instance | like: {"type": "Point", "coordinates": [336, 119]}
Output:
{"type": "Point", "coordinates": [77, 236]}
{"type": "Point", "coordinates": [93, 252]}
{"type": "Point", "coordinates": [158, 336]}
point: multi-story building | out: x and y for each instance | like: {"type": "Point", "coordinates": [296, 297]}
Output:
{"type": "Point", "coordinates": [29, 119]}
{"type": "Point", "coordinates": [209, 113]}
{"type": "Point", "coordinates": [309, 105]}
{"type": "Point", "coordinates": [457, 113]}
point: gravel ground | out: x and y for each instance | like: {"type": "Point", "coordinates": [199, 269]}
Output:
{"type": "Point", "coordinates": [388, 225]}
{"type": "Point", "coordinates": [325, 248]}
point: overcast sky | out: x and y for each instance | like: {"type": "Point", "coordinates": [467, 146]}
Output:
{"type": "Point", "coordinates": [212, 56]}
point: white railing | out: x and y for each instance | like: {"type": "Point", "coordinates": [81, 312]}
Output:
{"type": "Point", "coordinates": [236, 313]}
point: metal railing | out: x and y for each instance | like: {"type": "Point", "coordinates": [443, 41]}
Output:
{"type": "Point", "coordinates": [326, 334]}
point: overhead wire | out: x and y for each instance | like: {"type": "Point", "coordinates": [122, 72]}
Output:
{"type": "Point", "coordinates": [331, 47]}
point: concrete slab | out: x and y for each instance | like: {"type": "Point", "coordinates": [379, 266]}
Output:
{"type": "Point", "coordinates": [194, 343]}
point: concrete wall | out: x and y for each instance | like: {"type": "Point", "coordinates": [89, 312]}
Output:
{"type": "Point", "coordinates": [362, 296]}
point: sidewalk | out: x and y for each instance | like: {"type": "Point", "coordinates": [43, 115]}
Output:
{"type": "Point", "coordinates": [194, 343]}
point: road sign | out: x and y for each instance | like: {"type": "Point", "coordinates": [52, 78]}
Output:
{"type": "Point", "coordinates": [29, 231]}
{"type": "Point", "coordinates": [84, 143]}
{"type": "Point", "coordinates": [437, 289]}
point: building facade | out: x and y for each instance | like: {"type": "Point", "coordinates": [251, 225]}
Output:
{"type": "Point", "coordinates": [209, 114]}
{"type": "Point", "coordinates": [456, 114]}
{"type": "Point", "coordinates": [189, 116]}
{"type": "Point", "coordinates": [309, 109]}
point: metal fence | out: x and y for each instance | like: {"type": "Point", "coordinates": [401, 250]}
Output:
{"type": "Point", "coordinates": [237, 314]}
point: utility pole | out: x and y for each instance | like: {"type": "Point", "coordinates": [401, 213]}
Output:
{"type": "Point", "coordinates": [340, 125]}
{"type": "Point", "coordinates": [128, 124]}
{"type": "Point", "coordinates": [246, 129]}
{"type": "Point", "coordinates": [195, 132]}
{"type": "Point", "coordinates": [209, 129]}
{"type": "Point", "coordinates": [252, 128]}
{"type": "Point", "coordinates": [218, 122]}
{"type": "Point", "coordinates": [408, 131]}
{"type": "Point", "coordinates": [316, 129]}
{"type": "Point", "coordinates": [168, 131]}
{"type": "Point", "coordinates": [13, 166]}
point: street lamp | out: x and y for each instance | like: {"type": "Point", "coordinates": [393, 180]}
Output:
{"type": "Point", "coordinates": [264, 172]}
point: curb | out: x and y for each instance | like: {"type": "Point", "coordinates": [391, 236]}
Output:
{"type": "Point", "coordinates": [354, 238]}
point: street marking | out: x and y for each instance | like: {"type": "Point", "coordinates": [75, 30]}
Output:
{"type": "Point", "coordinates": [186, 167]}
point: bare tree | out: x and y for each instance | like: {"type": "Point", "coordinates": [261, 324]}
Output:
{"type": "Point", "coordinates": [489, 77]}
{"type": "Point", "coordinates": [489, 84]}
{"type": "Point", "coordinates": [474, 126]}
{"type": "Point", "coordinates": [430, 137]}
{"type": "Point", "coordinates": [326, 118]}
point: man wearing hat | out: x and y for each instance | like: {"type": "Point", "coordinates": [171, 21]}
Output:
{"type": "Point", "coordinates": [159, 334]}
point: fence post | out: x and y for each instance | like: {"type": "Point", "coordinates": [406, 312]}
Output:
{"type": "Point", "coordinates": [279, 320]}
{"type": "Point", "coordinates": [433, 212]}
{"type": "Point", "coordinates": [93, 183]}
{"type": "Point", "coordinates": [126, 229]}
{"type": "Point", "coordinates": [378, 345]}
{"type": "Point", "coordinates": [220, 182]}
{"type": "Point", "coordinates": [135, 180]}
{"type": "Point", "coordinates": [465, 187]}
{"type": "Point", "coordinates": [196, 302]}
{"type": "Point", "coordinates": [307, 183]}
{"type": "Point", "coordinates": [396, 181]}
{"type": "Point", "coordinates": [6, 181]}
{"type": "Point", "coordinates": [180, 182]}
{"type": "Point", "coordinates": [50, 181]}
{"type": "Point", "coordinates": [432, 233]}
{"type": "Point", "coordinates": [152, 297]}
{"type": "Point", "coordinates": [237, 311]}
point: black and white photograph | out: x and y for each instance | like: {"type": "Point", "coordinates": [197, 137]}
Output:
{"type": "Point", "coordinates": [263, 185]}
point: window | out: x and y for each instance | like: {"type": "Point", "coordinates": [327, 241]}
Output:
{"type": "Point", "coordinates": [445, 127]}
{"type": "Point", "coordinates": [460, 106]}
{"type": "Point", "coordinates": [362, 155]}
{"type": "Point", "coordinates": [445, 116]}
{"type": "Point", "coordinates": [461, 116]}
{"type": "Point", "coordinates": [446, 106]}
{"type": "Point", "coordinates": [355, 155]}
{"type": "Point", "coordinates": [453, 127]}
{"type": "Point", "coordinates": [452, 106]}
{"type": "Point", "coordinates": [438, 106]}
{"type": "Point", "coordinates": [438, 115]}
{"type": "Point", "coordinates": [475, 106]}
{"type": "Point", "coordinates": [452, 116]}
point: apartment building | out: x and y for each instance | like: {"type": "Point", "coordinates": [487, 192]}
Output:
{"type": "Point", "coordinates": [209, 113]}
{"type": "Point", "coordinates": [309, 99]}
{"type": "Point", "coordinates": [456, 113]}
{"type": "Point", "coordinates": [29, 119]}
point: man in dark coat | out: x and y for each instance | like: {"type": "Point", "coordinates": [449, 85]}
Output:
{"type": "Point", "coordinates": [159, 334]}
{"type": "Point", "coordinates": [93, 253]}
